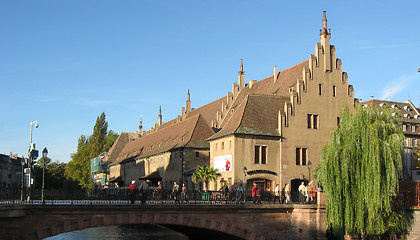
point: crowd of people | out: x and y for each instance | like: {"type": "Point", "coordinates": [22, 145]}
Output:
{"type": "Point", "coordinates": [179, 194]}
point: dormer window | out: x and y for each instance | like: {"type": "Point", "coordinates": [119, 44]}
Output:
{"type": "Point", "coordinates": [382, 105]}
{"type": "Point", "coordinates": [407, 108]}
{"type": "Point", "coordinates": [407, 116]}
{"type": "Point", "coordinates": [394, 106]}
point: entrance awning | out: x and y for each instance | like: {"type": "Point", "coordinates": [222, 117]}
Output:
{"type": "Point", "coordinates": [152, 176]}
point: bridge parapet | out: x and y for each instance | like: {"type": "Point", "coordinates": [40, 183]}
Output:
{"type": "Point", "coordinates": [244, 221]}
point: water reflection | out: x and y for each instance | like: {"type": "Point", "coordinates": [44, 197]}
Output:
{"type": "Point", "coordinates": [135, 231]}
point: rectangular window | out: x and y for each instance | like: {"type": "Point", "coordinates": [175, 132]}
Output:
{"type": "Point", "coordinates": [301, 156]}
{"type": "Point", "coordinates": [413, 128]}
{"type": "Point", "coordinates": [404, 127]}
{"type": "Point", "coordinates": [320, 89]}
{"type": "Point", "coordinates": [257, 154]}
{"type": "Point", "coordinates": [264, 155]}
{"type": "Point", "coordinates": [260, 156]}
{"type": "Point", "coordinates": [223, 145]}
{"type": "Point", "coordinates": [338, 121]}
{"type": "Point", "coordinates": [230, 144]}
{"type": "Point", "coordinates": [298, 156]}
{"type": "Point", "coordinates": [197, 154]}
{"type": "Point", "coordinates": [313, 121]}
{"type": "Point", "coordinates": [334, 93]}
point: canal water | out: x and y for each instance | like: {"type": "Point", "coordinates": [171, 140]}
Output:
{"type": "Point", "coordinates": [129, 232]}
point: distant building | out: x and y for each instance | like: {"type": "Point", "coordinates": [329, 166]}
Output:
{"type": "Point", "coordinates": [99, 170]}
{"type": "Point", "coordinates": [10, 171]}
{"type": "Point", "coordinates": [265, 131]}
{"type": "Point", "coordinates": [410, 124]}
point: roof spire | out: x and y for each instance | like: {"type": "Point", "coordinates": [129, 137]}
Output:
{"type": "Point", "coordinates": [242, 66]}
{"type": "Point", "coordinates": [188, 103]}
{"type": "Point", "coordinates": [188, 99]}
{"type": "Point", "coordinates": [324, 31]}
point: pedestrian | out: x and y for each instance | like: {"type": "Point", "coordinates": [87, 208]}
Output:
{"type": "Point", "coordinates": [225, 191]}
{"type": "Point", "coordinates": [157, 194]}
{"type": "Point", "coordinates": [283, 194]}
{"type": "Point", "coordinates": [259, 193]}
{"type": "Point", "coordinates": [301, 190]}
{"type": "Point", "coordinates": [287, 191]}
{"type": "Point", "coordinates": [308, 193]}
{"type": "Point", "coordinates": [184, 194]}
{"type": "Point", "coordinates": [240, 194]}
{"type": "Point", "coordinates": [254, 193]}
{"type": "Point", "coordinates": [132, 190]}
{"type": "Point", "coordinates": [175, 192]}
{"type": "Point", "coordinates": [277, 194]}
{"type": "Point", "coordinates": [144, 191]}
{"type": "Point", "coordinates": [232, 191]}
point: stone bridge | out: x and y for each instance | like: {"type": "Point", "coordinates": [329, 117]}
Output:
{"type": "Point", "coordinates": [240, 222]}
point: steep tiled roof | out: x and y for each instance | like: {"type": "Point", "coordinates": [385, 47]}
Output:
{"type": "Point", "coordinates": [256, 115]}
{"type": "Point", "coordinates": [407, 111]}
{"type": "Point", "coordinates": [118, 145]}
{"type": "Point", "coordinates": [208, 111]}
{"type": "Point", "coordinates": [285, 79]}
{"type": "Point", "coordinates": [191, 132]}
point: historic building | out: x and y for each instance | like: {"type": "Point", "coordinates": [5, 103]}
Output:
{"type": "Point", "coordinates": [269, 131]}
{"type": "Point", "coordinates": [10, 171]}
{"type": "Point", "coordinates": [409, 117]}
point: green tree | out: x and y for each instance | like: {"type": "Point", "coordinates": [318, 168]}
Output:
{"type": "Point", "coordinates": [205, 174]}
{"type": "Point", "coordinates": [100, 141]}
{"type": "Point", "coordinates": [359, 172]}
{"type": "Point", "coordinates": [78, 167]}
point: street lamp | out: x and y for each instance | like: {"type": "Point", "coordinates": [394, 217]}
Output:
{"type": "Point", "coordinates": [309, 167]}
{"type": "Point", "coordinates": [22, 183]}
{"type": "Point", "coordinates": [32, 154]}
{"type": "Point", "coordinates": [44, 157]}
{"type": "Point", "coordinates": [245, 171]}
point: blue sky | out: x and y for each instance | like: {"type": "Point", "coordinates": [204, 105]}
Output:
{"type": "Point", "coordinates": [64, 62]}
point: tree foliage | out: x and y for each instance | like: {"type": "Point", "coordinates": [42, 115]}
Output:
{"type": "Point", "coordinates": [359, 172]}
{"type": "Point", "coordinates": [54, 175]}
{"type": "Point", "coordinates": [205, 174]}
{"type": "Point", "coordinates": [100, 141]}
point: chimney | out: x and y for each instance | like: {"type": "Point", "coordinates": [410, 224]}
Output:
{"type": "Point", "coordinates": [275, 74]}
{"type": "Point", "coordinates": [160, 116]}
{"type": "Point", "coordinates": [371, 98]}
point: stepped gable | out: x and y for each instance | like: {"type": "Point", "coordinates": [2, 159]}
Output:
{"type": "Point", "coordinates": [285, 79]}
{"type": "Point", "coordinates": [118, 146]}
{"type": "Point", "coordinates": [181, 134]}
{"type": "Point", "coordinates": [256, 115]}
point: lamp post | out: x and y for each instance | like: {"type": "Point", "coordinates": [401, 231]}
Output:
{"type": "Point", "coordinates": [31, 156]}
{"type": "Point", "coordinates": [44, 157]}
{"type": "Point", "coordinates": [309, 167]}
{"type": "Point", "coordinates": [22, 182]}
{"type": "Point", "coordinates": [245, 171]}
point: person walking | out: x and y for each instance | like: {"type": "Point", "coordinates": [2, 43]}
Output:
{"type": "Point", "coordinates": [175, 192]}
{"type": "Point", "coordinates": [287, 193]}
{"type": "Point", "coordinates": [240, 194]}
{"type": "Point", "coordinates": [132, 191]}
{"type": "Point", "coordinates": [144, 191]}
{"type": "Point", "coordinates": [301, 190]}
{"type": "Point", "coordinates": [254, 193]}
{"type": "Point", "coordinates": [184, 194]}
{"type": "Point", "coordinates": [277, 194]}
{"type": "Point", "coordinates": [232, 191]}
{"type": "Point", "coordinates": [258, 193]}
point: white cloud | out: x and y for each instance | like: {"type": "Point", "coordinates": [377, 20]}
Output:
{"type": "Point", "coordinates": [398, 85]}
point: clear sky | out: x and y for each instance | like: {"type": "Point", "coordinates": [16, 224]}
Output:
{"type": "Point", "coordinates": [64, 62]}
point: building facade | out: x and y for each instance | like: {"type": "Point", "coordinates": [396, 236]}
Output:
{"type": "Point", "coordinates": [266, 131]}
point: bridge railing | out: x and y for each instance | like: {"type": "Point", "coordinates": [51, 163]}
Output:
{"type": "Point", "coordinates": [121, 195]}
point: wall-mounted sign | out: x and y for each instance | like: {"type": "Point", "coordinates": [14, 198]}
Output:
{"type": "Point", "coordinates": [223, 163]}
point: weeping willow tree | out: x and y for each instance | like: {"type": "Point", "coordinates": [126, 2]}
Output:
{"type": "Point", "coordinates": [359, 172]}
